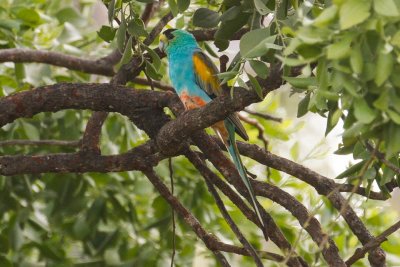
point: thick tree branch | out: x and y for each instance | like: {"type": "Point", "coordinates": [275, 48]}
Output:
{"type": "Point", "coordinates": [97, 97]}
{"type": "Point", "coordinates": [138, 158]}
{"type": "Point", "coordinates": [96, 66]}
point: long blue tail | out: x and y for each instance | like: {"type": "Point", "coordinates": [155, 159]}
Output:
{"type": "Point", "coordinates": [234, 153]}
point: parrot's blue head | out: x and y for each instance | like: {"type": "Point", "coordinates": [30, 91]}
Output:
{"type": "Point", "coordinates": [172, 40]}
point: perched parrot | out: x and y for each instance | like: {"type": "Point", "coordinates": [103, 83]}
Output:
{"type": "Point", "coordinates": [193, 75]}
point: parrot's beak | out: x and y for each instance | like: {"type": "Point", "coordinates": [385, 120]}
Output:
{"type": "Point", "coordinates": [163, 42]}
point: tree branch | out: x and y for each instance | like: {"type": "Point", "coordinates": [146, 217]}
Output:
{"type": "Point", "coordinates": [22, 55]}
{"type": "Point", "coordinates": [72, 143]}
{"type": "Point", "coordinates": [138, 158]}
{"type": "Point", "coordinates": [374, 243]}
{"type": "Point", "coordinates": [211, 242]}
{"type": "Point", "coordinates": [235, 229]}
{"type": "Point", "coordinates": [323, 185]}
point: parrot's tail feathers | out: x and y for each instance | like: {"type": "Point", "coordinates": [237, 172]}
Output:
{"type": "Point", "coordinates": [233, 151]}
{"type": "Point", "coordinates": [226, 132]}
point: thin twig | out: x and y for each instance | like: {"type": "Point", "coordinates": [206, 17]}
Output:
{"type": "Point", "coordinates": [262, 115]}
{"type": "Point", "coordinates": [381, 157]}
{"type": "Point", "coordinates": [260, 128]}
{"type": "Point", "coordinates": [171, 174]}
{"type": "Point", "coordinates": [72, 143]}
{"type": "Point", "coordinates": [249, 248]}
{"type": "Point", "coordinates": [374, 243]}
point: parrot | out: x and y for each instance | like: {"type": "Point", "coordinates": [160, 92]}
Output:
{"type": "Point", "coordinates": [194, 78]}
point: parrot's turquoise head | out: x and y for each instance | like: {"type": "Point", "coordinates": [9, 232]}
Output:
{"type": "Point", "coordinates": [172, 40]}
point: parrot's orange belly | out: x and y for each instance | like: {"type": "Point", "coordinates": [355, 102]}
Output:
{"type": "Point", "coordinates": [191, 102]}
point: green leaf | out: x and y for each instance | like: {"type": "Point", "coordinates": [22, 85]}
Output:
{"type": "Point", "coordinates": [111, 12]}
{"type": "Point", "coordinates": [228, 28]}
{"type": "Point", "coordinates": [183, 5]}
{"type": "Point", "coordinates": [210, 50]}
{"type": "Point", "coordinates": [356, 59]}
{"type": "Point", "coordinates": [106, 33]}
{"type": "Point", "coordinates": [370, 174]}
{"type": "Point", "coordinates": [350, 85]}
{"type": "Point", "coordinates": [387, 176]}
{"type": "Point", "coordinates": [281, 9]}
{"type": "Point", "coordinates": [386, 8]}
{"type": "Point", "coordinates": [260, 68]}
{"type": "Point", "coordinates": [31, 131]}
{"type": "Point", "coordinates": [16, 236]}
{"type": "Point", "coordinates": [152, 72]}
{"type": "Point", "coordinates": [382, 102]}
{"type": "Point", "coordinates": [353, 12]}
{"type": "Point", "coordinates": [205, 18]}
{"type": "Point", "coordinates": [136, 27]}
{"type": "Point", "coordinates": [363, 112]}
{"type": "Point", "coordinates": [28, 15]}
{"type": "Point", "coordinates": [121, 35]}
{"type": "Point", "coordinates": [256, 86]}
{"type": "Point", "coordinates": [253, 43]}
{"type": "Point", "coordinates": [231, 13]}
{"type": "Point", "coordinates": [384, 67]}
{"type": "Point", "coordinates": [70, 15]}
{"type": "Point", "coordinates": [156, 61]}
{"type": "Point", "coordinates": [292, 62]}
{"type": "Point", "coordinates": [302, 109]}
{"type": "Point", "coordinates": [326, 17]}
{"type": "Point", "coordinates": [174, 7]}
{"type": "Point", "coordinates": [127, 54]}
{"type": "Point", "coordinates": [312, 35]}
{"type": "Point", "coordinates": [226, 76]}
{"type": "Point", "coordinates": [355, 130]}
{"type": "Point", "coordinates": [339, 50]}
{"type": "Point", "coordinates": [81, 228]}
{"type": "Point", "coordinates": [261, 7]}
{"type": "Point", "coordinates": [396, 39]}
{"type": "Point", "coordinates": [333, 119]}
{"type": "Point", "coordinates": [222, 44]}
{"type": "Point", "coordinates": [392, 143]}
{"type": "Point", "coordinates": [394, 116]}
{"type": "Point", "coordinates": [352, 170]}
{"type": "Point", "coordinates": [242, 83]}
{"type": "Point", "coordinates": [10, 24]}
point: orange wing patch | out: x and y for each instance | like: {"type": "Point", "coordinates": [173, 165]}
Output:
{"type": "Point", "coordinates": [205, 73]}
{"type": "Point", "coordinates": [191, 102]}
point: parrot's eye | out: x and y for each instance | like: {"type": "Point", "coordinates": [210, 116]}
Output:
{"type": "Point", "coordinates": [168, 33]}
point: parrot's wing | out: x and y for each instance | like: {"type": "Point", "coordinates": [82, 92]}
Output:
{"type": "Point", "coordinates": [205, 73]}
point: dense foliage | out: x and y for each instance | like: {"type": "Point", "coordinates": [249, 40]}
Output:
{"type": "Point", "coordinates": [346, 53]}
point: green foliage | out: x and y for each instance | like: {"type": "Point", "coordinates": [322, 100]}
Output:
{"type": "Point", "coordinates": [355, 79]}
